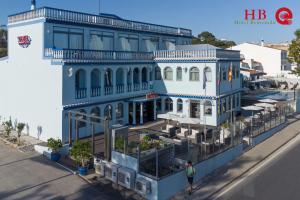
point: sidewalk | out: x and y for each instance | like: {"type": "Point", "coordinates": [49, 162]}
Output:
{"type": "Point", "coordinates": [219, 179]}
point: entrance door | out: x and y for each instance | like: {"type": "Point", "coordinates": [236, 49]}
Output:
{"type": "Point", "coordinates": [148, 111]}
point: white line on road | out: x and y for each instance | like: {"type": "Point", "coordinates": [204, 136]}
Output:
{"type": "Point", "coordinates": [270, 159]}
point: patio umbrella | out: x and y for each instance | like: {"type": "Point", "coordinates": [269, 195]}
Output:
{"type": "Point", "coordinates": [264, 105]}
{"type": "Point", "coordinates": [252, 108]}
{"type": "Point", "coordinates": [268, 101]}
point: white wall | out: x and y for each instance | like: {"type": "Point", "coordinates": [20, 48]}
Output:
{"type": "Point", "coordinates": [30, 87]}
{"type": "Point", "coordinates": [269, 58]}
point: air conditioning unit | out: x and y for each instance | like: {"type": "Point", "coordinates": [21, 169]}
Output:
{"type": "Point", "coordinates": [99, 166]}
{"type": "Point", "coordinates": [126, 177]}
{"type": "Point", "coordinates": [143, 186]}
{"type": "Point", "coordinates": [111, 172]}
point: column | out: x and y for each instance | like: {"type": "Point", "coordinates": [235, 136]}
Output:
{"type": "Point", "coordinates": [140, 78]}
{"type": "Point", "coordinates": [141, 113]}
{"type": "Point", "coordinates": [114, 116]}
{"type": "Point", "coordinates": [125, 79]}
{"type": "Point", "coordinates": [163, 105]}
{"type": "Point", "coordinates": [154, 111]}
{"type": "Point", "coordinates": [114, 80]}
{"type": "Point", "coordinates": [131, 77]}
{"type": "Point", "coordinates": [102, 82]}
{"type": "Point", "coordinates": [134, 113]}
{"type": "Point", "coordinates": [126, 113]}
{"type": "Point", "coordinates": [88, 83]}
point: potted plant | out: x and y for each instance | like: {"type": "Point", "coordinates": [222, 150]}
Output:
{"type": "Point", "coordinates": [81, 152]}
{"type": "Point", "coordinates": [20, 128]}
{"type": "Point", "coordinates": [54, 145]}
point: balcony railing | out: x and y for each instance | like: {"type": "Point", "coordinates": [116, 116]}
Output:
{"type": "Point", "coordinates": [70, 55]}
{"type": "Point", "coordinates": [95, 92]}
{"type": "Point", "coordinates": [108, 90]}
{"type": "Point", "coordinates": [207, 54]}
{"type": "Point", "coordinates": [144, 86]}
{"type": "Point", "coordinates": [120, 89]}
{"type": "Point", "coordinates": [80, 93]}
{"type": "Point", "coordinates": [136, 87]}
{"type": "Point", "coordinates": [129, 88]}
{"type": "Point", "coordinates": [89, 19]}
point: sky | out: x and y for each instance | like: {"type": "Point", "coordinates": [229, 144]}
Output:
{"type": "Point", "coordinates": [216, 16]}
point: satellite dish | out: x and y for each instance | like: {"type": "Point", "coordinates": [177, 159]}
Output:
{"type": "Point", "coordinates": [70, 72]}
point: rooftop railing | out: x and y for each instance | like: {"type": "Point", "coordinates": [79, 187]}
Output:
{"type": "Point", "coordinates": [84, 18]}
{"type": "Point", "coordinates": [96, 56]}
{"type": "Point", "coordinates": [207, 54]}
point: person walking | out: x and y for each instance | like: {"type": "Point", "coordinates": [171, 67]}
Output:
{"type": "Point", "coordinates": [190, 173]}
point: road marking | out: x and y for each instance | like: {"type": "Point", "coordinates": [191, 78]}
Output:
{"type": "Point", "coordinates": [270, 159]}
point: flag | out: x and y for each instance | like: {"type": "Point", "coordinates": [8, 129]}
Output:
{"type": "Point", "coordinates": [230, 73]}
{"type": "Point", "coordinates": [220, 74]}
{"type": "Point", "coordinates": [204, 79]}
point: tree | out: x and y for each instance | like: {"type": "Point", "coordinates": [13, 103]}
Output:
{"type": "Point", "coordinates": [209, 38]}
{"type": "Point", "coordinates": [20, 128]}
{"type": "Point", "coordinates": [81, 152]}
{"type": "Point", "coordinates": [8, 127]}
{"type": "Point", "coordinates": [3, 43]}
{"type": "Point", "coordinates": [294, 52]}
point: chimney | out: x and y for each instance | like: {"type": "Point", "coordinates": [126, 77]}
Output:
{"type": "Point", "coordinates": [33, 5]}
{"type": "Point", "coordinates": [262, 43]}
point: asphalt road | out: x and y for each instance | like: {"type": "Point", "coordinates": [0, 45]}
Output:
{"type": "Point", "coordinates": [277, 180]}
{"type": "Point", "coordinates": [31, 176]}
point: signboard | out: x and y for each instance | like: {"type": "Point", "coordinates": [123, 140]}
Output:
{"type": "Point", "coordinates": [151, 95]}
{"type": "Point", "coordinates": [24, 41]}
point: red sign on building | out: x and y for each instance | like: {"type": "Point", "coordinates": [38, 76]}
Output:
{"type": "Point", "coordinates": [151, 95]}
{"type": "Point", "coordinates": [24, 41]}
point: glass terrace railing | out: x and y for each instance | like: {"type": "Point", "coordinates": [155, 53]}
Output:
{"type": "Point", "coordinates": [94, 56]}
{"type": "Point", "coordinates": [84, 18]}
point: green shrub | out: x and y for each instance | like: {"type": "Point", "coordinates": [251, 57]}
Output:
{"type": "Point", "coordinates": [81, 152]}
{"type": "Point", "coordinates": [54, 144]}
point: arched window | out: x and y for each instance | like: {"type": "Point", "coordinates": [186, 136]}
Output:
{"type": "Point", "coordinates": [120, 111]}
{"type": "Point", "coordinates": [95, 113]}
{"type": "Point", "coordinates": [108, 112]}
{"type": "Point", "coordinates": [80, 117]}
{"type": "Point", "coordinates": [129, 76]}
{"type": "Point", "coordinates": [179, 74]}
{"type": "Point", "coordinates": [169, 104]}
{"type": "Point", "coordinates": [80, 79]}
{"type": "Point", "coordinates": [144, 75]}
{"type": "Point", "coordinates": [195, 109]}
{"type": "Point", "coordinates": [157, 73]}
{"type": "Point", "coordinates": [136, 76]}
{"type": "Point", "coordinates": [108, 78]}
{"type": "Point", "coordinates": [194, 74]}
{"type": "Point", "coordinates": [179, 105]}
{"type": "Point", "coordinates": [95, 78]}
{"type": "Point", "coordinates": [207, 74]}
{"type": "Point", "coordinates": [119, 77]}
{"type": "Point", "coordinates": [207, 108]}
{"type": "Point", "coordinates": [168, 74]}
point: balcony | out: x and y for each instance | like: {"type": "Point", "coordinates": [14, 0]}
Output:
{"type": "Point", "coordinates": [95, 92]}
{"type": "Point", "coordinates": [93, 56]}
{"type": "Point", "coordinates": [207, 54]}
{"type": "Point", "coordinates": [136, 87]}
{"type": "Point", "coordinates": [80, 93]}
{"type": "Point", "coordinates": [145, 86]}
{"type": "Point", "coordinates": [120, 89]}
{"type": "Point", "coordinates": [101, 21]}
{"type": "Point", "coordinates": [108, 90]}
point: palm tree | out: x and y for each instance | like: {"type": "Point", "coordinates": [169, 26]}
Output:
{"type": "Point", "coordinates": [20, 128]}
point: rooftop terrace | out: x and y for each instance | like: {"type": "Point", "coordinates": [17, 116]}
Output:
{"type": "Point", "coordinates": [98, 20]}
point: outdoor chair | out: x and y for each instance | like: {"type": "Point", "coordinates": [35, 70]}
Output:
{"type": "Point", "coordinates": [182, 132]}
